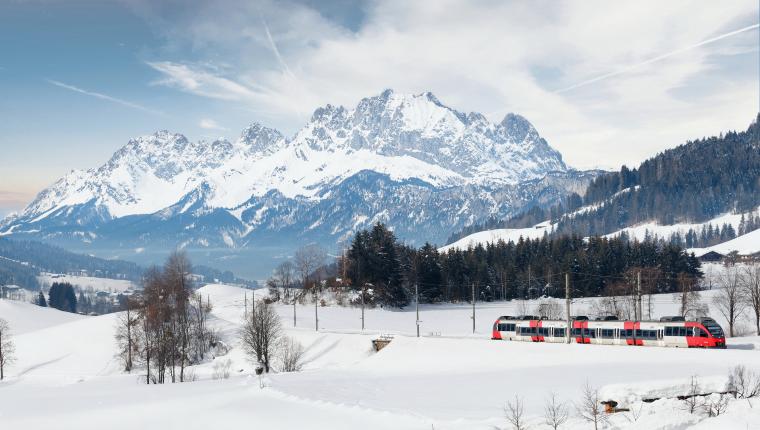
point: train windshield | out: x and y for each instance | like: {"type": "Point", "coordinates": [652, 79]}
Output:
{"type": "Point", "coordinates": [715, 330]}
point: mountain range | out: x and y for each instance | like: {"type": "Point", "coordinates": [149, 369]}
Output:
{"type": "Point", "coordinates": [409, 161]}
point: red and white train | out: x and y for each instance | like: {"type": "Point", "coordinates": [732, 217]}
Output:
{"type": "Point", "coordinates": [672, 332]}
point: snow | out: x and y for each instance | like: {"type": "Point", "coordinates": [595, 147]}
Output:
{"type": "Point", "coordinates": [399, 135]}
{"type": "Point", "coordinates": [745, 244]}
{"type": "Point", "coordinates": [85, 282]}
{"type": "Point", "coordinates": [456, 380]}
{"type": "Point", "coordinates": [26, 317]}
{"type": "Point", "coordinates": [493, 236]}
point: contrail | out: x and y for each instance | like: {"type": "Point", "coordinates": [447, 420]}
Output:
{"type": "Point", "coordinates": [655, 59]}
{"type": "Point", "coordinates": [103, 97]}
{"type": "Point", "coordinates": [277, 51]}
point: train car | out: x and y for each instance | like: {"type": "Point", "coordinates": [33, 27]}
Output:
{"type": "Point", "coordinates": [669, 332]}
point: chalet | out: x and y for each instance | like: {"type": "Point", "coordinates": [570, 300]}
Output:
{"type": "Point", "coordinates": [711, 256]}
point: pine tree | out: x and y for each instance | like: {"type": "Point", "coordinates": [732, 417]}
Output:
{"type": "Point", "coordinates": [41, 300]}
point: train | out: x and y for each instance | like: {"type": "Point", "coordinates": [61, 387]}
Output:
{"type": "Point", "coordinates": [673, 332]}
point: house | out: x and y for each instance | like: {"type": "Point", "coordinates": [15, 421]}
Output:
{"type": "Point", "coordinates": [12, 292]}
{"type": "Point", "coordinates": [711, 256]}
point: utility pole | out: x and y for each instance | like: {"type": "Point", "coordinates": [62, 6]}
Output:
{"type": "Point", "coordinates": [417, 307]}
{"type": "Point", "coordinates": [364, 286]}
{"type": "Point", "coordinates": [245, 307]}
{"type": "Point", "coordinates": [567, 306]}
{"type": "Point", "coordinates": [363, 292]}
{"type": "Point", "coordinates": [473, 307]}
{"type": "Point", "coordinates": [316, 309]}
{"type": "Point", "coordinates": [529, 295]}
{"type": "Point", "coordinates": [638, 295]}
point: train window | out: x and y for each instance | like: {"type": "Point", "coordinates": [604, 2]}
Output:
{"type": "Point", "coordinates": [576, 332]}
{"type": "Point", "coordinates": [587, 332]}
{"type": "Point", "coordinates": [624, 333]}
{"type": "Point", "coordinates": [559, 332]}
{"type": "Point", "coordinates": [682, 331]}
{"type": "Point", "coordinates": [510, 327]}
{"type": "Point", "coordinates": [543, 331]}
{"type": "Point", "coordinates": [607, 333]}
{"type": "Point", "coordinates": [669, 331]}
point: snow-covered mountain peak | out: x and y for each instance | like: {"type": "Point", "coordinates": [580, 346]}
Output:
{"type": "Point", "coordinates": [261, 140]}
{"type": "Point", "coordinates": [409, 141]}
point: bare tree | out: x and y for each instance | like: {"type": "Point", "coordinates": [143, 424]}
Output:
{"type": "Point", "coordinates": [751, 291]}
{"type": "Point", "coordinates": [7, 348]}
{"type": "Point", "coordinates": [550, 309]}
{"type": "Point", "coordinates": [729, 300]}
{"type": "Point", "coordinates": [127, 326]}
{"type": "Point", "coordinates": [290, 354]}
{"type": "Point", "coordinates": [172, 332]}
{"type": "Point", "coordinates": [283, 278]}
{"type": "Point", "coordinates": [556, 413]}
{"type": "Point", "coordinates": [692, 396]}
{"type": "Point", "coordinates": [514, 412]}
{"type": "Point", "coordinates": [261, 333]}
{"type": "Point", "coordinates": [743, 383]}
{"type": "Point", "coordinates": [308, 259]}
{"type": "Point", "coordinates": [589, 407]}
{"type": "Point", "coordinates": [716, 404]}
{"type": "Point", "coordinates": [690, 297]}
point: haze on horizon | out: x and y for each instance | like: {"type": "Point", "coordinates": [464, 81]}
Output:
{"type": "Point", "coordinates": [605, 83]}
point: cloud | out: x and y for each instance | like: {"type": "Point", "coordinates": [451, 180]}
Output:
{"type": "Point", "coordinates": [658, 58]}
{"type": "Point", "coordinates": [103, 97]}
{"type": "Point", "coordinates": [491, 57]}
{"type": "Point", "coordinates": [210, 124]}
{"type": "Point", "coordinates": [276, 51]}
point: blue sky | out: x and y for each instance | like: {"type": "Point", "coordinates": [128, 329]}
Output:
{"type": "Point", "coordinates": [605, 82]}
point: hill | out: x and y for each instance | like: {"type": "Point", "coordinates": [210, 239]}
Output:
{"type": "Point", "coordinates": [698, 194]}
{"type": "Point", "coordinates": [22, 262]}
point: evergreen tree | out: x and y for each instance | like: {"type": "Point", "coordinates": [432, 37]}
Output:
{"type": "Point", "coordinates": [62, 297]}
{"type": "Point", "coordinates": [41, 300]}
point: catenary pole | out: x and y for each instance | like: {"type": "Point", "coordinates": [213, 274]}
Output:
{"type": "Point", "coordinates": [473, 307]}
{"type": "Point", "coordinates": [417, 307]}
{"type": "Point", "coordinates": [638, 295]}
{"type": "Point", "coordinates": [567, 306]}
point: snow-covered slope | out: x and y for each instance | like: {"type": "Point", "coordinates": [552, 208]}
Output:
{"type": "Point", "coordinates": [407, 160]}
{"type": "Point", "coordinates": [448, 380]}
{"type": "Point", "coordinates": [746, 244]}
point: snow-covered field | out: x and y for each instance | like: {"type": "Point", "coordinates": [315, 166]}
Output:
{"type": "Point", "coordinates": [66, 375]}
{"type": "Point", "coordinates": [85, 282]}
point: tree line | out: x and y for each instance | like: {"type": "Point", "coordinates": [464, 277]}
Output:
{"type": "Point", "coordinates": [386, 270]}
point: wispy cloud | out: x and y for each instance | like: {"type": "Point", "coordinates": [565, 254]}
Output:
{"type": "Point", "coordinates": [210, 124]}
{"type": "Point", "coordinates": [276, 51]}
{"type": "Point", "coordinates": [657, 58]}
{"type": "Point", "coordinates": [104, 97]}
{"type": "Point", "coordinates": [488, 57]}
{"type": "Point", "coordinates": [201, 82]}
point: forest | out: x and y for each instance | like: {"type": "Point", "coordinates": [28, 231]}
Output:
{"type": "Point", "coordinates": [377, 262]}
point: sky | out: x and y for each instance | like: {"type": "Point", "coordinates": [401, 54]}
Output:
{"type": "Point", "coordinates": [606, 83]}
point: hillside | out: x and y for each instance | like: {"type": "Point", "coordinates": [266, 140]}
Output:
{"type": "Point", "coordinates": [27, 263]}
{"type": "Point", "coordinates": [698, 194]}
